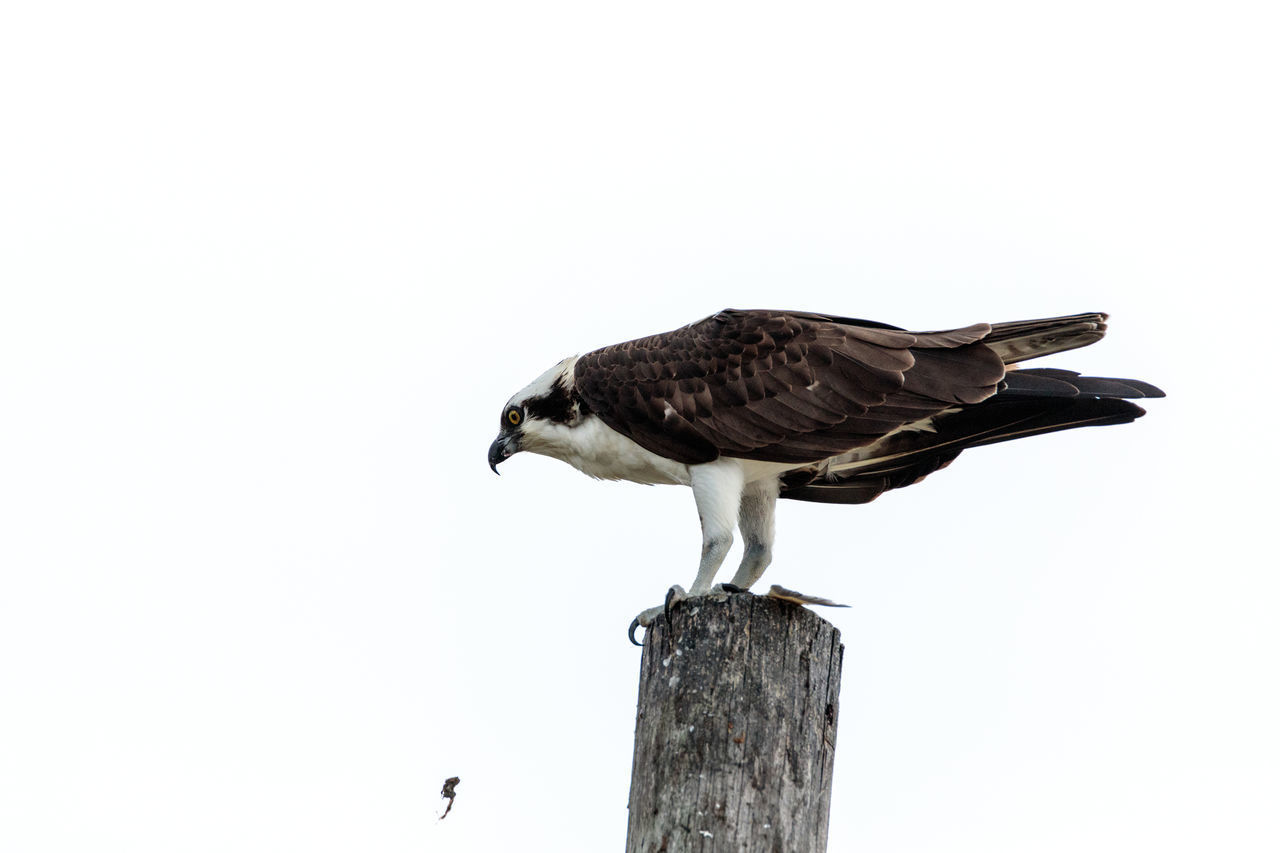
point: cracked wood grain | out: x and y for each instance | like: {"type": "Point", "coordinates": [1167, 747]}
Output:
{"type": "Point", "coordinates": [735, 729]}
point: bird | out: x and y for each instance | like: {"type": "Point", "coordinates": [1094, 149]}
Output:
{"type": "Point", "coordinates": [747, 407]}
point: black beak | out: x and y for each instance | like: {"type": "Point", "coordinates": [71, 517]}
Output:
{"type": "Point", "coordinates": [502, 447]}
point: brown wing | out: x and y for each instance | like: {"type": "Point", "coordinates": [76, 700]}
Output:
{"type": "Point", "coordinates": [1030, 402]}
{"type": "Point", "coordinates": [781, 386]}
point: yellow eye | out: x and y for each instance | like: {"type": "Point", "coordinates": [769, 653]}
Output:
{"type": "Point", "coordinates": [513, 416]}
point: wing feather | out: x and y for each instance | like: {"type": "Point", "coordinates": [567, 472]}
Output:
{"type": "Point", "coordinates": [1032, 402]}
{"type": "Point", "coordinates": [781, 386]}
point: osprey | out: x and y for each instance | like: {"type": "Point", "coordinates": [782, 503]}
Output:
{"type": "Point", "coordinates": [746, 407]}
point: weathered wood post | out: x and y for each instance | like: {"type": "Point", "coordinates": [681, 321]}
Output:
{"type": "Point", "coordinates": [735, 729]}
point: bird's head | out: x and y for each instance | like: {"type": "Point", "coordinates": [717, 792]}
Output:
{"type": "Point", "coordinates": [539, 417]}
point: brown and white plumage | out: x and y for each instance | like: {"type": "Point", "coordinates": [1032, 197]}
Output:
{"type": "Point", "coordinates": [749, 406]}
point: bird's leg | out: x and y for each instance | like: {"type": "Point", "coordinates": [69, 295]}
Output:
{"type": "Point", "coordinates": [755, 519]}
{"type": "Point", "coordinates": [717, 491]}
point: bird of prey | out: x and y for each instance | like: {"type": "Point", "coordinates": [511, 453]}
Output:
{"type": "Point", "coordinates": [746, 407]}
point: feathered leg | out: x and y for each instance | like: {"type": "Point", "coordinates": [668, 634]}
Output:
{"type": "Point", "coordinates": [717, 491]}
{"type": "Point", "coordinates": [755, 520]}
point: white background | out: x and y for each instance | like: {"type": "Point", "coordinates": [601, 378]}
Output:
{"type": "Point", "coordinates": [271, 269]}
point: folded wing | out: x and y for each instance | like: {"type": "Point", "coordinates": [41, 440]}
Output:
{"type": "Point", "coordinates": [782, 386]}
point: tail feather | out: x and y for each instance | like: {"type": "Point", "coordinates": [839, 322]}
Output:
{"type": "Point", "coordinates": [1026, 339]}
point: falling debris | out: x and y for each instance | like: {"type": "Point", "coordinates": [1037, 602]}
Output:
{"type": "Point", "coordinates": [447, 792]}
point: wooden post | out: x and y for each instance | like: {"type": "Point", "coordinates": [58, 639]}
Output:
{"type": "Point", "coordinates": [735, 729]}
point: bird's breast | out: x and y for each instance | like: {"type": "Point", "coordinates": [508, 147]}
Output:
{"type": "Point", "coordinates": [606, 454]}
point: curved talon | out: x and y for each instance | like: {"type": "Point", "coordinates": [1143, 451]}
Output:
{"type": "Point", "coordinates": [631, 632]}
{"type": "Point", "coordinates": [730, 588]}
{"type": "Point", "coordinates": [667, 602]}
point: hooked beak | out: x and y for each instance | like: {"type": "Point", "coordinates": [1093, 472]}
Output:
{"type": "Point", "coordinates": [502, 447]}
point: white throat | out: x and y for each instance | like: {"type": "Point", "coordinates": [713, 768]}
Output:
{"type": "Point", "coordinates": [601, 452]}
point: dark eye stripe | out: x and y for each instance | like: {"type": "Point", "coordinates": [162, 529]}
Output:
{"type": "Point", "coordinates": [557, 405]}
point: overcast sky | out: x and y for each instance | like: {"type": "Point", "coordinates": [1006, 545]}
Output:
{"type": "Point", "coordinates": [271, 269]}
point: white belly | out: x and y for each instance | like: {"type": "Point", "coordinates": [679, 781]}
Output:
{"type": "Point", "coordinates": [601, 452]}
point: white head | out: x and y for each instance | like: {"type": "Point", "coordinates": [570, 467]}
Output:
{"type": "Point", "coordinates": [538, 417]}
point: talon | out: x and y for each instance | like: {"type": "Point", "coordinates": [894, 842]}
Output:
{"type": "Point", "coordinates": [731, 588]}
{"type": "Point", "coordinates": [647, 617]}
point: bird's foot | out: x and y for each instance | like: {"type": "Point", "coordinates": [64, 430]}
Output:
{"type": "Point", "coordinates": [646, 617]}
{"type": "Point", "coordinates": [719, 592]}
